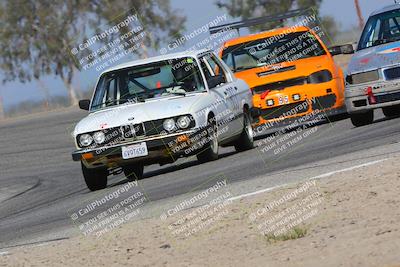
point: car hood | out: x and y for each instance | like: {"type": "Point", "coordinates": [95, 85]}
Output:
{"type": "Point", "coordinates": [139, 112]}
{"type": "Point", "coordinates": [374, 58]}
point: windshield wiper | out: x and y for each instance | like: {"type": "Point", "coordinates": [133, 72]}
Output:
{"type": "Point", "coordinates": [245, 68]}
{"type": "Point", "coordinates": [177, 93]}
{"type": "Point", "coordinates": [106, 103]}
{"type": "Point", "coordinates": [121, 101]}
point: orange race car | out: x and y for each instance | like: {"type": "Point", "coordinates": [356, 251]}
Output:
{"type": "Point", "coordinates": [290, 71]}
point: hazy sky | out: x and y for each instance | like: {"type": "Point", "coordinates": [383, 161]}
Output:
{"type": "Point", "coordinates": [198, 13]}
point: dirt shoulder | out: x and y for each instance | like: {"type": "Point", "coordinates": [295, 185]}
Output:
{"type": "Point", "coordinates": [348, 219]}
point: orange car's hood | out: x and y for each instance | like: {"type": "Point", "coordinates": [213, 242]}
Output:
{"type": "Point", "coordinates": [285, 71]}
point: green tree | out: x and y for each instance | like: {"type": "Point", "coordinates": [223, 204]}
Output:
{"type": "Point", "coordinates": [331, 27]}
{"type": "Point", "coordinates": [37, 36]}
{"type": "Point", "coordinates": [256, 8]}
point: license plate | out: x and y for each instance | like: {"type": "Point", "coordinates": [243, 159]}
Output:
{"type": "Point", "coordinates": [134, 151]}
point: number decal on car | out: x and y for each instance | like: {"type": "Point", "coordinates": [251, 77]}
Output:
{"type": "Point", "coordinates": [283, 100]}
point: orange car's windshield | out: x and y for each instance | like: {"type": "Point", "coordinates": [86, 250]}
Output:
{"type": "Point", "coordinates": [272, 50]}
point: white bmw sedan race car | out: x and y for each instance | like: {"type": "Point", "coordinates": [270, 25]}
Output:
{"type": "Point", "coordinates": [157, 110]}
{"type": "Point", "coordinates": [373, 75]}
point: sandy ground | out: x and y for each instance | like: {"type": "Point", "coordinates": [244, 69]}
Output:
{"type": "Point", "coordinates": [348, 219]}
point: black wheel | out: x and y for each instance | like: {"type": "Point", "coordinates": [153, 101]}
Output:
{"type": "Point", "coordinates": [361, 119]}
{"type": "Point", "coordinates": [210, 151]}
{"type": "Point", "coordinates": [246, 139]}
{"type": "Point", "coordinates": [133, 172]}
{"type": "Point", "coordinates": [392, 111]}
{"type": "Point", "coordinates": [338, 117]}
{"type": "Point", "coordinates": [96, 178]}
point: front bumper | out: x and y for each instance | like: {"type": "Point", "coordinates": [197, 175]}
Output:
{"type": "Point", "coordinates": [385, 93]}
{"type": "Point", "coordinates": [309, 119]}
{"type": "Point", "coordinates": [161, 149]}
{"type": "Point", "coordinates": [326, 104]}
{"type": "Point", "coordinates": [314, 98]}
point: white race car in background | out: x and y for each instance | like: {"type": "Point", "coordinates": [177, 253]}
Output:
{"type": "Point", "coordinates": [158, 110]}
{"type": "Point", "coordinates": [373, 75]}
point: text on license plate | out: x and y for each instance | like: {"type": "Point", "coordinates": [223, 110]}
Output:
{"type": "Point", "coordinates": [134, 151]}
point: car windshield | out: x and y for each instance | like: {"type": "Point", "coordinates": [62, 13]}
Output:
{"type": "Point", "coordinates": [380, 29]}
{"type": "Point", "coordinates": [154, 80]}
{"type": "Point", "coordinates": [272, 50]}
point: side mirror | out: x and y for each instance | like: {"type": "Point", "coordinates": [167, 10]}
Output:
{"type": "Point", "coordinates": [341, 50]}
{"type": "Point", "coordinates": [335, 50]}
{"type": "Point", "coordinates": [347, 49]}
{"type": "Point", "coordinates": [215, 80]}
{"type": "Point", "coordinates": [84, 104]}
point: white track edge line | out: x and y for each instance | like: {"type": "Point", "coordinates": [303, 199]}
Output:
{"type": "Point", "coordinates": [312, 178]}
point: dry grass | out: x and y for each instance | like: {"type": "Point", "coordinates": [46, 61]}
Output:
{"type": "Point", "coordinates": [294, 233]}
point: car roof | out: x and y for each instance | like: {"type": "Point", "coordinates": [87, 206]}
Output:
{"type": "Point", "coordinates": [265, 34]}
{"type": "Point", "coordinates": [386, 9]}
{"type": "Point", "coordinates": [145, 61]}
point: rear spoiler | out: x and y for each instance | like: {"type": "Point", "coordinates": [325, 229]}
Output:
{"type": "Point", "coordinates": [260, 20]}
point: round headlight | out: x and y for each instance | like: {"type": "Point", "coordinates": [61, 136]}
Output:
{"type": "Point", "coordinates": [99, 137]}
{"type": "Point", "coordinates": [85, 140]}
{"type": "Point", "coordinates": [169, 125]}
{"type": "Point", "coordinates": [183, 122]}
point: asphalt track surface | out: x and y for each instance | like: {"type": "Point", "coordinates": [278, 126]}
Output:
{"type": "Point", "coordinates": [40, 184]}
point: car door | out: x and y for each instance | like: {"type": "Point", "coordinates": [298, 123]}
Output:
{"type": "Point", "coordinates": [232, 94]}
{"type": "Point", "coordinates": [227, 108]}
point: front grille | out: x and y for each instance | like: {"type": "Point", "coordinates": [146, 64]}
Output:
{"type": "Point", "coordinates": [364, 77]}
{"type": "Point", "coordinates": [360, 103]}
{"type": "Point", "coordinates": [154, 127]}
{"type": "Point", "coordinates": [392, 74]}
{"type": "Point", "coordinates": [274, 71]}
{"type": "Point", "coordinates": [285, 110]}
{"type": "Point", "coordinates": [113, 135]}
{"type": "Point", "coordinates": [387, 98]}
{"type": "Point", "coordinates": [118, 135]}
{"type": "Point", "coordinates": [323, 102]}
{"type": "Point", "coordinates": [132, 131]}
{"type": "Point", "coordinates": [280, 85]}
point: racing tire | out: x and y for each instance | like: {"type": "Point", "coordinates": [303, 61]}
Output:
{"type": "Point", "coordinates": [95, 179]}
{"type": "Point", "coordinates": [338, 117]}
{"type": "Point", "coordinates": [210, 152]}
{"type": "Point", "coordinates": [246, 139]}
{"type": "Point", "coordinates": [133, 172]}
{"type": "Point", "coordinates": [392, 111]}
{"type": "Point", "coordinates": [362, 119]}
